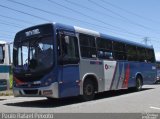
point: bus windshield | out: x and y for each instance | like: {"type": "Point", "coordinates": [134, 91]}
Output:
{"type": "Point", "coordinates": [1, 54]}
{"type": "Point", "coordinates": [34, 55]}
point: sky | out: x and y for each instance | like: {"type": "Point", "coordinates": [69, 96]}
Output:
{"type": "Point", "coordinates": [133, 20]}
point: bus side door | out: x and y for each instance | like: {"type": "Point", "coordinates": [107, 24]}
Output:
{"type": "Point", "coordinates": [69, 63]}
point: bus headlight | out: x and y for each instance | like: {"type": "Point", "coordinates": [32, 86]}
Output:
{"type": "Point", "coordinates": [48, 82]}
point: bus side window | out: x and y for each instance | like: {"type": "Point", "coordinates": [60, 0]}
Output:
{"type": "Point", "coordinates": [142, 55]}
{"type": "Point", "coordinates": [104, 47]}
{"type": "Point", "coordinates": [131, 53]}
{"type": "Point", "coordinates": [119, 51]}
{"type": "Point", "coordinates": [87, 46]}
{"type": "Point", "coordinates": [69, 49]}
{"type": "Point", "coordinates": [105, 55]}
{"type": "Point", "coordinates": [150, 55]}
{"type": "Point", "coordinates": [1, 55]}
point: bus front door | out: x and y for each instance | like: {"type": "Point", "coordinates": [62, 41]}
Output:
{"type": "Point", "coordinates": [69, 63]}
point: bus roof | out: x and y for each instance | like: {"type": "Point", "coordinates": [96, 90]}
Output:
{"type": "Point", "coordinates": [126, 41]}
{"type": "Point", "coordinates": [89, 32]}
{"type": "Point", "coordinates": [98, 34]}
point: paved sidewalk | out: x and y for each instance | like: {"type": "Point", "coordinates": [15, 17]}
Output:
{"type": "Point", "coordinates": [5, 97]}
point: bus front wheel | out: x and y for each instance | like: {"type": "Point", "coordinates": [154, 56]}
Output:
{"type": "Point", "coordinates": [88, 90]}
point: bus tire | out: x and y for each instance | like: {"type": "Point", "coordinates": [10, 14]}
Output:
{"type": "Point", "coordinates": [88, 90]}
{"type": "Point", "coordinates": [139, 83]}
{"type": "Point", "coordinates": [50, 99]}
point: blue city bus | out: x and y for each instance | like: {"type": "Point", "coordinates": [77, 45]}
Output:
{"type": "Point", "coordinates": [4, 65]}
{"type": "Point", "coordinates": [55, 61]}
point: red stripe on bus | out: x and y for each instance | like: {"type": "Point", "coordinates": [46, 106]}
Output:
{"type": "Point", "coordinates": [127, 75]}
{"type": "Point", "coordinates": [18, 81]}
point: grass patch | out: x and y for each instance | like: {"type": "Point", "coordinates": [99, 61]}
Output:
{"type": "Point", "coordinates": [10, 78]}
{"type": "Point", "coordinates": [6, 93]}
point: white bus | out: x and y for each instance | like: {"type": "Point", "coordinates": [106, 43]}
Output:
{"type": "Point", "coordinates": [4, 65]}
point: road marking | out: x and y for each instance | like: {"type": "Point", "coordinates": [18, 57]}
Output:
{"type": "Point", "coordinates": [155, 108]}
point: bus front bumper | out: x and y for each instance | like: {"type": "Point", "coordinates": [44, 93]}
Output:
{"type": "Point", "coordinates": [49, 91]}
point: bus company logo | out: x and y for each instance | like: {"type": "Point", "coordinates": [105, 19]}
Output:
{"type": "Point", "coordinates": [107, 66]}
{"type": "Point", "coordinates": [32, 32]}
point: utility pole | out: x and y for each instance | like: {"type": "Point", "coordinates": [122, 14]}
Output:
{"type": "Point", "coordinates": [146, 39]}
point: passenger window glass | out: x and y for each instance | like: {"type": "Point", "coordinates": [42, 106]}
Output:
{"type": "Point", "coordinates": [87, 46]}
{"type": "Point", "coordinates": [1, 55]}
{"type": "Point", "coordinates": [25, 54]}
{"type": "Point", "coordinates": [141, 52]}
{"type": "Point", "coordinates": [120, 47]}
{"type": "Point", "coordinates": [68, 49]}
{"type": "Point", "coordinates": [131, 53]}
{"type": "Point", "coordinates": [104, 47]}
{"type": "Point", "coordinates": [150, 56]}
{"type": "Point", "coordinates": [119, 51]}
{"type": "Point", "coordinates": [19, 56]}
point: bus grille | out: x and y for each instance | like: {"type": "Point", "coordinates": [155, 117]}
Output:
{"type": "Point", "coordinates": [31, 85]}
{"type": "Point", "coordinates": [30, 91]}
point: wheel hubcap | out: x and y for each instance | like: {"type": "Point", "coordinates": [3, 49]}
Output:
{"type": "Point", "coordinates": [139, 84]}
{"type": "Point", "coordinates": [89, 90]}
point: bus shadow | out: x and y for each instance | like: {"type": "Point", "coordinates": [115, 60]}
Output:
{"type": "Point", "coordinates": [114, 93]}
{"type": "Point", "coordinates": [2, 99]}
{"type": "Point", "coordinates": [45, 103]}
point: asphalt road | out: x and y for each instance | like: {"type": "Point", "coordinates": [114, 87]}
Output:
{"type": "Point", "coordinates": [123, 101]}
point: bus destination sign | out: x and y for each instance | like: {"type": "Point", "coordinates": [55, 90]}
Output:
{"type": "Point", "coordinates": [32, 32]}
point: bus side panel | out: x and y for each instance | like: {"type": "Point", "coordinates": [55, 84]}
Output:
{"type": "Point", "coordinates": [69, 81]}
{"type": "Point", "coordinates": [92, 67]}
{"type": "Point", "coordinates": [110, 73]}
{"type": "Point", "coordinates": [135, 68]}
{"type": "Point", "coordinates": [124, 76]}
{"type": "Point", "coordinates": [4, 77]}
{"type": "Point", "coordinates": [147, 71]}
{"type": "Point", "coordinates": [122, 69]}
{"type": "Point", "coordinates": [121, 76]}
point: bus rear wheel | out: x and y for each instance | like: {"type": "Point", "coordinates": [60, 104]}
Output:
{"type": "Point", "coordinates": [88, 90]}
{"type": "Point", "coordinates": [139, 83]}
